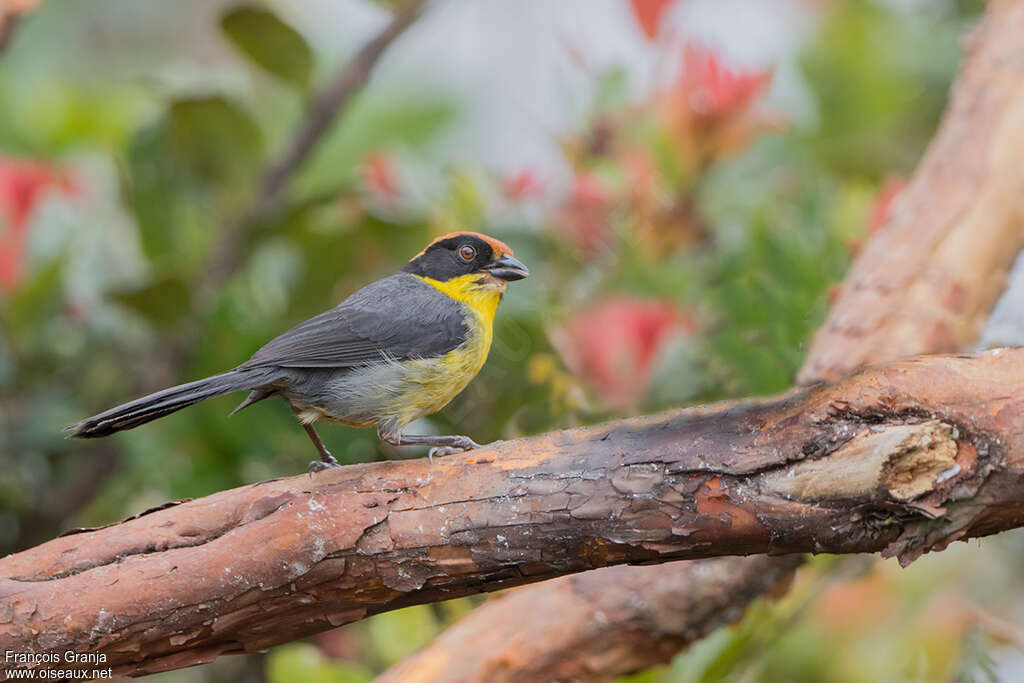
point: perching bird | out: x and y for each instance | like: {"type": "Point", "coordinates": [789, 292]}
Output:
{"type": "Point", "coordinates": [396, 350]}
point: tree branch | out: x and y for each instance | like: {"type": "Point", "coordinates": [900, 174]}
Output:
{"type": "Point", "coordinates": [12, 13]}
{"type": "Point", "coordinates": [929, 280]}
{"type": "Point", "coordinates": [902, 458]}
{"type": "Point", "coordinates": [322, 112]}
{"type": "Point", "coordinates": [577, 628]}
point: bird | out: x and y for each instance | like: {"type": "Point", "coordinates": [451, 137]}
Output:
{"type": "Point", "coordinates": [394, 351]}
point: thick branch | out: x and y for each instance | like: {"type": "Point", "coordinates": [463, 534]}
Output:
{"type": "Point", "coordinates": [916, 454]}
{"type": "Point", "coordinates": [575, 628]}
{"type": "Point", "coordinates": [11, 14]}
{"type": "Point", "coordinates": [928, 281]}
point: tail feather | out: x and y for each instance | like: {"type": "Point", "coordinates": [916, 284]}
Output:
{"type": "Point", "coordinates": [148, 408]}
{"type": "Point", "coordinates": [254, 396]}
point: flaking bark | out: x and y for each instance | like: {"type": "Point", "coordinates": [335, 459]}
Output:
{"type": "Point", "coordinates": [249, 568]}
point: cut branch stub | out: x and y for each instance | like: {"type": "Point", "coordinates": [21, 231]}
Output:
{"type": "Point", "coordinates": [902, 461]}
{"type": "Point", "coordinates": [245, 569]}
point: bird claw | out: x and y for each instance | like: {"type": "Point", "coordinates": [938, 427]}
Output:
{"type": "Point", "coordinates": [464, 444]}
{"type": "Point", "coordinates": [440, 451]}
{"type": "Point", "coordinates": [321, 465]}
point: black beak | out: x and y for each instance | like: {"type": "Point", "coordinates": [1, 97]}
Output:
{"type": "Point", "coordinates": [507, 268]}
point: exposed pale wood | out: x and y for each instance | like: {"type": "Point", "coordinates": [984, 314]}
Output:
{"type": "Point", "coordinates": [905, 461]}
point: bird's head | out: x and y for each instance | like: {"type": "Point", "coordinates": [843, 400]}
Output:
{"type": "Point", "coordinates": [469, 257]}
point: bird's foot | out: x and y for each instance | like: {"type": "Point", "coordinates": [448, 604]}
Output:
{"type": "Point", "coordinates": [441, 450]}
{"type": "Point", "coordinates": [321, 465]}
{"type": "Point", "coordinates": [459, 444]}
{"type": "Point", "coordinates": [442, 445]}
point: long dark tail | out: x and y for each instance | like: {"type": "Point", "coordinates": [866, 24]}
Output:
{"type": "Point", "coordinates": [148, 408]}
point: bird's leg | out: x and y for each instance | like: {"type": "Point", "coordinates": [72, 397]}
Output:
{"type": "Point", "coordinates": [326, 459]}
{"type": "Point", "coordinates": [442, 445]}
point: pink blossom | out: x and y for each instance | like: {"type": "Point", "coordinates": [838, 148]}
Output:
{"type": "Point", "coordinates": [612, 346]}
{"type": "Point", "coordinates": [712, 90]}
{"type": "Point", "coordinates": [584, 217]}
{"type": "Point", "coordinates": [23, 182]}
{"type": "Point", "coordinates": [381, 177]}
{"type": "Point", "coordinates": [522, 185]}
{"type": "Point", "coordinates": [649, 14]}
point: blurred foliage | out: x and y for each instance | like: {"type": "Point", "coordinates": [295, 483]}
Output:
{"type": "Point", "coordinates": [214, 140]}
{"type": "Point", "coordinates": [871, 73]}
{"type": "Point", "coordinates": [270, 43]}
{"type": "Point", "coordinates": [304, 662]}
{"type": "Point", "coordinates": [768, 300]}
{"type": "Point", "coordinates": [696, 228]}
{"type": "Point", "coordinates": [854, 619]}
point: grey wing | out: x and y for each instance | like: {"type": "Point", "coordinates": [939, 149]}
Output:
{"type": "Point", "coordinates": [399, 317]}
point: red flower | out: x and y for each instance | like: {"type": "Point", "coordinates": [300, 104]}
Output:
{"type": "Point", "coordinates": [649, 14]}
{"type": "Point", "coordinates": [641, 173]}
{"type": "Point", "coordinates": [711, 89]}
{"type": "Point", "coordinates": [613, 345]}
{"type": "Point", "coordinates": [22, 184]}
{"type": "Point", "coordinates": [583, 218]}
{"type": "Point", "coordinates": [881, 207]}
{"type": "Point", "coordinates": [522, 185]}
{"type": "Point", "coordinates": [381, 177]}
{"type": "Point", "coordinates": [587, 189]}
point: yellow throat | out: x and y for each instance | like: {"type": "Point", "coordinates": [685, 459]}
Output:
{"type": "Point", "coordinates": [481, 298]}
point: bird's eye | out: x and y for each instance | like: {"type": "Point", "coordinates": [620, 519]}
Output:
{"type": "Point", "coordinates": [467, 253]}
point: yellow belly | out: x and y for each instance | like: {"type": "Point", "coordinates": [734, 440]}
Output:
{"type": "Point", "coordinates": [434, 382]}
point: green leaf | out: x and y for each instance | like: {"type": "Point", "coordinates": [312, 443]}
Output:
{"type": "Point", "coordinates": [215, 139]}
{"type": "Point", "coordinates": [162, 302]}
{"type": "Point", "coordinates": [270, 44]}
{"type": "Point", "coordinates": [612, 92]}
{"type": "Point", "coordinates": [171, 207]}
{"type": "Point", "coordinates": [881, 80]}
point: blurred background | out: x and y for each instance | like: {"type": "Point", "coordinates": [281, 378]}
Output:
{"type": "Point", "coordinates": [686, 180]}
